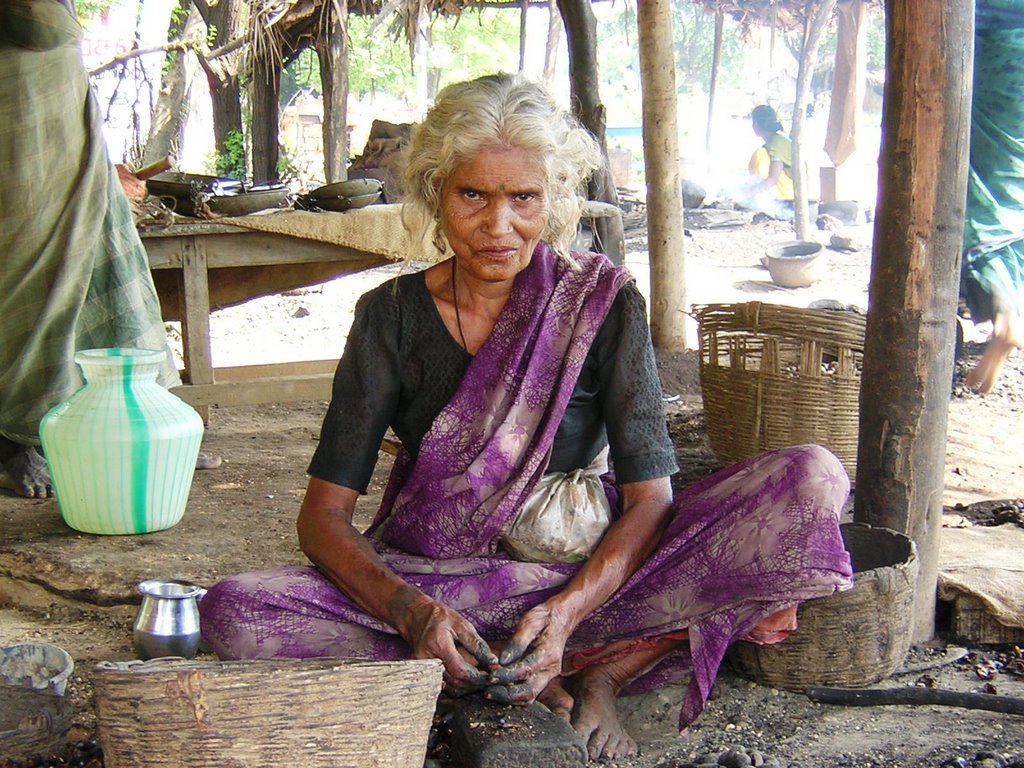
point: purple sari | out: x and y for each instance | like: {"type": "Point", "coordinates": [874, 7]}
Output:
{"type": "Point", "coordinates": [754, 539]}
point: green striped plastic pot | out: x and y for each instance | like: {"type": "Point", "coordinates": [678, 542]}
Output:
{"type": "Point", "coordinates": [122, 449]}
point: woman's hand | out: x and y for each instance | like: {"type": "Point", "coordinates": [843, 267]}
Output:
{"type": "Point", "coordinates": [346, 557]}
{"type": "Point", "coordinates": [435, 631]}
{"type": "Point", "coordinates": [532, 657]}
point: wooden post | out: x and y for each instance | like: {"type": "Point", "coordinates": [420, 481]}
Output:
{"type": "Point", "coordinates": [664, 186]}
{"type": "Point", "coordinates": [524, 8]}
{"type": "Point", "coordinates": [332, 50]}
{"type": "Point", "coordinates": [581, 33]}
{"type": "Point", "coordinates": [910, 337]}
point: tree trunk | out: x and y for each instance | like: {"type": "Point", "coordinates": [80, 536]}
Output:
{"type": "Point", "coordinates": [332, 49]}
{"type": "Point", "coordinates": [172, 101]}
{"type": "Point", "coordinates": [265, 94]}
{"type": "Point", "coordinates": [581, 32]}
{"type": "Point", "coordinates": [554, 38]}
{"type": "Point", "coordinates": [664, 186]}
{"type": "Point", "coordinates": [909, 347]}
{"type": "Point", "coordinates": [813, 27]}
{"type": "Point", "coordinates": [222, 74]}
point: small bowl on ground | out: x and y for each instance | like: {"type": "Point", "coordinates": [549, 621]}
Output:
{"type": "Point", "coordinates": [39, 666]}
{"type": "Point", "coordinates": [796, 264]}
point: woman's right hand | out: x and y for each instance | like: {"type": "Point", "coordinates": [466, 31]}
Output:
{"type": "Point", "coordinates": [435, 631]}
{"type": "Point", "coordinates": [346, 557]}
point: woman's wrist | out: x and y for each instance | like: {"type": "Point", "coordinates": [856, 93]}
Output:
{"type": "Point", "coordinates": [403, 606]}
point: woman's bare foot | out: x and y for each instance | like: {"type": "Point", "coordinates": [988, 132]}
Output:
{"type": "Point", "coordinates": [594, 716]}
{"type": "Point", "coordinates": [25, 472]}
{"type": "Point", "coordinates": [557, 699]}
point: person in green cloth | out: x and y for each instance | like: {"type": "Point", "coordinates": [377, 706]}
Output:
{"type": "Point", "coordinates": [992, 269]}
{"type": "Point", "coordinates": [73, 271]}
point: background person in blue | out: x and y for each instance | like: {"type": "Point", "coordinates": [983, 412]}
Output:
{"type": "Point", "coordinates": [992, 271]}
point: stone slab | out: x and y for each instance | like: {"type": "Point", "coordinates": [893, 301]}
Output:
{"type": "Point", "coordinates": [488, 735]}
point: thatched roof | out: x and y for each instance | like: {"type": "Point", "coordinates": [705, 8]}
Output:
{"type": "Point", "coordinates": [781, 14]}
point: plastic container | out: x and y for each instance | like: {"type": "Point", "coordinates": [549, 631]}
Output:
{"type": "Point", "coordinates": [121, 450]}
{"type": "Point", "coordinates": [39, 666]}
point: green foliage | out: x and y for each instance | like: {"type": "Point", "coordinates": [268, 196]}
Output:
{"type": "Point", "coordinates": [230, 160]}
{"type": "Point", "coordinates": [178, 16]}
{"type": "Point", "coordinates": [211, 35]}
{"type": "Point", "coordinates": [303, 73]}
{"type": "Point", "coordinates": [88, 8]}
{"type": "Point", "coordinates": [169, 59]}
{"type": "Point", "coordinates": [478, 43]}
{"type": "Point", "coordinates": [876, 39]}
{"type": "Point", "coordinates": [695, 47]}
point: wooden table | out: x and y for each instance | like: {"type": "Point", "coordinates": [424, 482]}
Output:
{"type": "Point", "coordinates": [202, 266]}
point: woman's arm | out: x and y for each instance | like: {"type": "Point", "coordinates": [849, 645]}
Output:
{"type": "Point", "coordinates": [345, 556]}
{"type": "Point", "coordinates": [533, 656]}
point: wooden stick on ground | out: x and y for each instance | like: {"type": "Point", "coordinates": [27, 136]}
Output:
{"type": "Point", "coordinates": [868, 697]}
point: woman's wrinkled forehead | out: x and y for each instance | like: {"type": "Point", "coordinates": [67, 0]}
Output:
{"type": "Point", "coordinates": [528, 158]}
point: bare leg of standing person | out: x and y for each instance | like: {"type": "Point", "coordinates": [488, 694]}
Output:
{"type": "Point", "coordinates": [1006, 336]}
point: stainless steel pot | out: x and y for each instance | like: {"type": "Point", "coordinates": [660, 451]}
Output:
{"type": "Point", "coordinates": [167, 623]}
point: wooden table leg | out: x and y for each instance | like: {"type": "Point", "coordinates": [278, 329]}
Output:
{"type": "Point", "coordinates": [195, 317]}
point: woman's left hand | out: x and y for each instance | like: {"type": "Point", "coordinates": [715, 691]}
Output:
{"type": "Point", "coordinates": [532, 658]}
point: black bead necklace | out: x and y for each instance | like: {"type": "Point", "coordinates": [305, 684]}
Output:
{"type": "Point", "coordinates": [458, 317]}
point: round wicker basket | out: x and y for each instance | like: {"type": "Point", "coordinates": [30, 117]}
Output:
{"type": "Point", "coordinates": [32, 723]}
{"type": "Point", "coordinates": [773, 376]}
{"type": "Point", "coordinates": [850, 639]}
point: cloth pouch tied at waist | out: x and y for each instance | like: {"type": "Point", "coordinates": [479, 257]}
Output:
{"type": "Point", "coordinates": [564, 518]}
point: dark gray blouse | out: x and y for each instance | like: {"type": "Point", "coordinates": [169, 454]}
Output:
{"type": "Point", "coordinates": [401, 366]}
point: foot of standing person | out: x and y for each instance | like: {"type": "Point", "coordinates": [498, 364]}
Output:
{"type": "Point", "coordinates": [23, 470]}
{"type": "Point", "coordinates": [207, 461]}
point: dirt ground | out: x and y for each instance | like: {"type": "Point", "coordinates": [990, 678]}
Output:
{"type": "Point", "coordinates": [77, 591]}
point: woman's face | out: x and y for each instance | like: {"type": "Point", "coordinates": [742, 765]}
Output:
{"type": "Point", "coordinates": [494, 209]}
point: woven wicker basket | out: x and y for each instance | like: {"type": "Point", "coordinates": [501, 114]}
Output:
{"type": "Point", "coordinates": [849, 639]}
{"type": "Point", "coordinates": [266, 712]}
{"type": "Point", "coordinates": [775, 376]}
{"type": "Point", "coordinates": [32, 723]}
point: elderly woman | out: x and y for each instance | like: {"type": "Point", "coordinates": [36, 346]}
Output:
{"type": "Point", "coordinates": [528, 537]}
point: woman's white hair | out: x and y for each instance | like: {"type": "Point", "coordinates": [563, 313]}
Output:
{"type": "Point", "coordinates": [499, 110]}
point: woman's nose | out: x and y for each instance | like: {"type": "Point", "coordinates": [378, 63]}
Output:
{"type": "Point", "coordinates": [499, 217]}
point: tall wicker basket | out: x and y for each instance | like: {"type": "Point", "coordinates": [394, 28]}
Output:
{"type": "Point", "coordinates": [774, 376]}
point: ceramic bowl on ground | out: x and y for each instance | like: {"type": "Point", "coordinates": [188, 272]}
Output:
{"type": "Point", "coordinates": [40, 666]}
{"type": "Point", "coordinates": [796, 264]}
